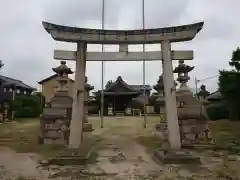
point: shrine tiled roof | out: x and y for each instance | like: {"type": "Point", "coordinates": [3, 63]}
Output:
{"type": "Point", "coordinates": [215, 96]}
{"type": "Point", "coordinates": [49, 78]}
{"type": "Point", "coordinates": [14, 82]}
{"type": "Point", "coordinates": [141, 87]}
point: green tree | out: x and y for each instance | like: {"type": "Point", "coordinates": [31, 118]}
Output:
{"type": "Point", "coordinates": [229, 86]}
{"type": "Point", "coordinates": [235, 60]}
{"type": "Point", "coordinates": [1, 64]}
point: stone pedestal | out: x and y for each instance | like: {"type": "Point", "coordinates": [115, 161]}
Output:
{"type": "Point", "coordinates": [55, 120]}
{"type": "Point", "coordinates": [87, 127]}
{"type": "Point", "coordinates": [54, 126]}
{"type": "Point", "coordinates": [161, 128]}
{"type": "Point", "coordinates": [194, 131]}
{"type": "Point", "coordinates": [176, 157]}
{"type": "Point", "coordinates": [1, 117]}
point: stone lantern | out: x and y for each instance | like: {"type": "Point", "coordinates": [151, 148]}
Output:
{"type": "Point", "coordinates": [55, 119]}
{"type": "Point", "coordinates": [159, 87]}
{"type": "Point", "coordinates": [194, 130]}
{"type": "Point", "coordinates": [203, 93]}
{"type": "Point", "coordinates": [182, 70]}
{"type": "Point", "coordinates": [86, 126]}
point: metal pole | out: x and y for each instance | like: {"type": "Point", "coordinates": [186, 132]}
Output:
{"type": "Point", "coordinates": [102, 63]}
{"type": "Point", "coordinates": [196, 85]}
{"type": "Point", "coordinates": [144, 68]}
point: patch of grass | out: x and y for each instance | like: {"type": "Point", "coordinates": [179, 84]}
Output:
{"type": "Point", "coordinates": [92, 159]}
{"type": "Point", "coordinates": [227, 169]}
{"type": "Point", "coordinates": [150, 142]}
{"type": "Point", "coordinates": [23, 137]}
{"type": "Point", "coordinates": [226, 134]}
{"type": "Point", "coordinates": [21, 178]}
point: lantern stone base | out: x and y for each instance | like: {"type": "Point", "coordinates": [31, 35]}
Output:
{"type": "Point", "coordinates": [68, 157]}
{"type": "Point", "coordinates": [1, 117]}
{"type": "Point", "coordinates": [176, 157]}
{"type": "Point", "coordinates": [87, 127]}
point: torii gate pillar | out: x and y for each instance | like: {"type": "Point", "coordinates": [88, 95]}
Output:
{"type": "Point", "coordinates": [170, 97]}
{"type": "Point", "coordinates": [76, 125]}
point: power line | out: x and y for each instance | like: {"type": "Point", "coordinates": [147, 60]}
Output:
{"type": "Point", "coordinates": [200, 80]}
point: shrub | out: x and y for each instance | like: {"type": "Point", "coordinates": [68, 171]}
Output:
{"type": "Point", "coordinates": [27, 106]}
{"type": "Point", "coordinates": [217, 112]}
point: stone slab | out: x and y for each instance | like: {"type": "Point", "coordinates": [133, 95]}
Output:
{"type": "Point", "coordinates": [201, 146]}
{"type": "Point", "coordinates": [121, 56]}
{"type": "Point", "coordinates": [68, 160]}
{"type": "Point", "coordinates": [176, 157]}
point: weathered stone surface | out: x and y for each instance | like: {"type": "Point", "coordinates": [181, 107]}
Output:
{"type": "Point", "coordinates": [60, 141]}
{"type": "Point", "coordinates": [53, 134]}
{"type": "Point", "coordinates": [68, 160]}
{"type": "Point", "coordinates": [55, 119]}
{"type": "Point", "coordinates": [161, 126]}
{"type": "Point", "coordinates": [176, 157]}
{"type": "Point", "coordinates": [190, 121]}
{"type": "Point", "coordinates": [87, 127]}
{"type": "Point", "coordinates": [48, 141]}
{"type": "Point", "coordinates": [186, 129]}
{"type": "Point", "coordinates": [191, 137]}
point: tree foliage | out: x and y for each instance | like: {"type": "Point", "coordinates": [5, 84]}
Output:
{"type": "Point", "coordinates": [1, 64]}
{"type": "Point", "coordinates": [235, 60]}
{"type": "Point", "coordinates": [27, 106]}
{"type": "Point", "coordinates": [229, 85]}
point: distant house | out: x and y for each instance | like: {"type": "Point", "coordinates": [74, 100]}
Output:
{"type": "Point", "coordinates": [10, 88]}
{"type": "Point", "coordinates": [50, 85]}
{"type": "Point", "coordinates": [215, 97]}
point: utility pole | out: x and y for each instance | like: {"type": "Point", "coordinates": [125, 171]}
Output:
{"type": "Point", "coordinates": [102, 64]}
{"type": "Point", "coordinates": [144, 68]}
{"type": "Point", "coordinates": [201, 80]}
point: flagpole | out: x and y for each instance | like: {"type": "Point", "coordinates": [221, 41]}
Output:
{"type": "Point", "coordinates": [144, 68]}
{"type": "Point", "coordinates": [102, 63]}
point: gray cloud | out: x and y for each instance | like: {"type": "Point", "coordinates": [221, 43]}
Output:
{"type": "Point", "coordinates": [27, 50]}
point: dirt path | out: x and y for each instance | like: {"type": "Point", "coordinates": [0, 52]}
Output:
{"type": "Point", "coordinates": [120, 154]}
{"type": "Point", "coordinates": [20, 164]}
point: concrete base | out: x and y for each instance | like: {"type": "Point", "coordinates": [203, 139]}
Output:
{"type": "Point", "coordinates": [87, 127]}
{"type": "Point", "coordinates": [68, 160]}
{"type": "Point", "coordinates": [201, 146]}
{"type": "Point", "coordinates": [68, 157]}
{"type": "Point", "coordinates": [176, 157]}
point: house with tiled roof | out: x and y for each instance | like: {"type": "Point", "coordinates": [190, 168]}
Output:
{"type": "Point", "coordinates": [10, 88]}
{"type": "Point", "coordinates": [50, 84]}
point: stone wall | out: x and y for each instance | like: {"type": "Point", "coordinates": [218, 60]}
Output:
{"type": "Point", "coordinates": [193, 126]}
{"type": "Point", "coordinates": [194, 131]}
{"type": "Point", "coordinates": [54, 126]}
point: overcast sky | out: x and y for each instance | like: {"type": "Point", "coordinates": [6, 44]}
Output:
{"type": "Point", "coordinates": [27, 49]}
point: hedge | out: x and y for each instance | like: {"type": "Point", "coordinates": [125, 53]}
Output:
{"type": "Point", "coordinates": [217, 112]}
{"type": "Point", "coordinates": [27, 106]}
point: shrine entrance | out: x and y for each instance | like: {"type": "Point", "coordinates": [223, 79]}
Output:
{"type": "Point", "coordinates": [117, 97]}
{"type": "Point", "coordinates": [163, 36]}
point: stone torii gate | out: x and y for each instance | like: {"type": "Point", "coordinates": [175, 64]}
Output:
{"type": "Point", "coordinates": [164, 36]}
